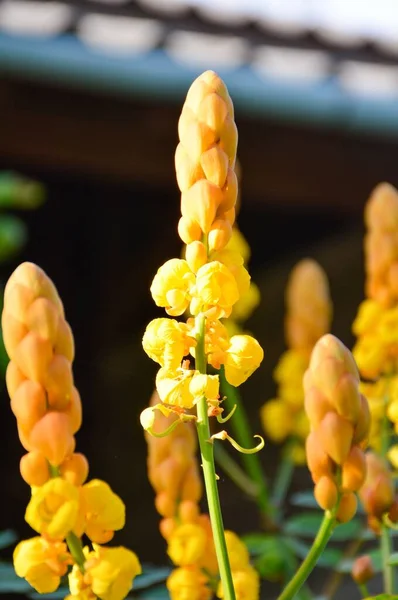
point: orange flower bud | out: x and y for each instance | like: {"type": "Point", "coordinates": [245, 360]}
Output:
{"type": "Point", "coordinates": [33, 356]}
{"type": "Point", "coordinates": [188, 511]}
{"type": "Point", "coordinates": [377, 493]}
{"type": "Point", "coordinates": [64, 343]}
{"type": "Point", "coordinates": [42, 317]}
{"type": "Point", "coordinates": [189, 230]}
{"type": "Point", "coordinates": [29, 403]}
{"type": "Point", "coordinates": [167, 526]}
{"type": "Point", "coordinates": [362, 569]}
{"type": "Point", "coordinates": [196, 255]}
{"type": "Point", "coordinates": [14, 378]}
{"type": "Point", "coordinates": [74, 469]}
{"type": "Point", "coordinates": [319, 463]}
{"type": "Point", "coordinates": [13, 333]}
{"type": "Point", "coordinates": [73, 411]}
{"type": "Point", "coordinates": [214, 163]}
{"type": "Point", "coordinates": [347, 399]}
{"type": "Point", "coordinates": [336, 434]}
{"type": "Point", "coordinates": [34, 468]}
{"type": "Point", "coordinates": [347, 508]}
{"type": "Point", "coordinates": [316, 405]}
{"type": "Point", "coordinates": [52, 436]}
{"type": "Point", "coordinates": [354, 470]}
{"type": "Point", "coordinates": [187, 170]}
{"type": "Point", "coordinates": [166, 504]}
{"type": "Point", "coordinates": [361, 431]}
{"type": "Point", "coordinates": [219, 235]}
{"type": "Point", "coordinates": [200, 203]}
{"type": "Point", "coordinates": [325, 493]}
{"type": "Point", "coordinates": [59, 382]}
{"type": "Point", "coordinates": [192, 486]}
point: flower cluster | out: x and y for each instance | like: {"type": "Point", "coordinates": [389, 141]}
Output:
{"type": "Point", "coordinates": [340, 419]}
{"type": "Point", "coordinates": [174, 474]}
{"type": "Point", "coordinates": [378, 492]}
{"type": "Point", "coordinates": [308, 316]}
{"type": "Point", "coordinates": [48, 410]}
{"type": "Point", "coordinates": [376, 324]}
{"type": "Point", "coordinates": [212, 278]}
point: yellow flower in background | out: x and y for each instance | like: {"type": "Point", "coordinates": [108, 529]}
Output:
{"type": "Point", "coordinates": [173, 387]}
{"type": "Point", "coordinates": [243, 357]}
{"type": "Point", "coordinates": [277, 420]}
{"type": "Point", "coordinates": [239, 244]}
{"type": "Point", "coordinates": [246, 584]}
{"type": "Point", "coordinates": [244, 307]}
{"type": "Point", "coordinates": [112, 571]}
{"type": "Point", "coordinates": [166, 341]}
{"type": "Point", "coordinates": [172, 285]}
{"type": "Point", "coordinates": [42, 563]}
{"type": "Point", "coordinates": [104, 511]}
{"type": "Point", "coordinates": [54, 508]}
{"type": "Point", "coordinates": [216, 290]}
{"type": "Point", "coordinates": [237, 551]}
{"type": "Point", "coordinates": [368, 317]}
{"type": "Point", "coordinates": [188, 583]}
{"type": "Point", "coordinates": [187, 544]}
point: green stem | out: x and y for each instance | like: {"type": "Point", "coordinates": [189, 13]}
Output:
{"type": "Point", "coordinates": [209, 473]}
{"type": "Point", "coordinates": [244, 436]}
{"type": "Point", "coordinates": [306, 567]}
{"type": "Point", "coordinates": [363, 588]}
{"type": "Point", "coordinates": [282, 480]}
{"type": "Point", "coordinates": [74, 543]}
{"type": "Point", "coordinates": [388, 572]}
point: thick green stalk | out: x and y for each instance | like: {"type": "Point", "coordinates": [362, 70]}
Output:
{"type": "Point", "coordinates": [209, 473]}
{"type": "Point", "coordinates": [388, 570]}
{"type": "Point", "coordinates": [244, 436]}
{"type": "Point", "coordinates": [306, 567]}
{"type": "Point", "coordinates": [74, 543]}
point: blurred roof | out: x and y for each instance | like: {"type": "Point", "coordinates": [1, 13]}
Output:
{"type": "Point", "coordinates": [303, 60]}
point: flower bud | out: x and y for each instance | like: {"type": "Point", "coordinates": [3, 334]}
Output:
{"type": "Point", "coordinates": [52, 437]}
{"type": "Point", "coordinates": [347, 508]}
{"type": "Point", "coordinates": [34, 469]}
{"type": "Point", "coordinates": [325, 493]}
{"type": "Point", "coordinates": [362, 569]}
{"type": "Point", "coordinates": [74, 469]}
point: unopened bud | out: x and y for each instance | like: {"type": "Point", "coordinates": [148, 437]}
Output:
{"type": "Point", "coordinates": [362, 569]}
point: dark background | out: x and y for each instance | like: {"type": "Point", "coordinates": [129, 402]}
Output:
{"type": "Point", "coordinates": [110, 221]}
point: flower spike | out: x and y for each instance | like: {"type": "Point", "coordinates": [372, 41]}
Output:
{"type": "Point", "coordinates": [221, 419]}
{"type": "Point", "coordinates": [223, 435]}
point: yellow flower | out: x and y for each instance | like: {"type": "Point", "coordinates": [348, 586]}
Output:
{"type": "Point", "coordinates": [277, 419]}
{"type": "Point", "coordinates": [53, 509]}
{"type": "Point", "coordinates": [187, 544]}
{"type": "Point", "coordinates": [246, 304]}
{"type": "Point", "coordinates": [111, 571]}
{"type": "Point", "coordinates": [173, 387]}
{"type": "Point", "coordinates": [172, 285]}
{"type": "Point", "coordinates": [188, 583]}
{"type": "Point", "coordinates": [166, 341]}
{"type": "Point", "coordinates": [371, 356]}
{"type": "Point", "coordinates": [242, 358]}
{"type": "Point", "coordinates": [238, 244]}
{"type": "Point", "coordinates": [368, 317]}
{"type": "Point", "coordinates": [216, 291]}
{"type": "Point", "coordinates": [205, 385]}
{"type": "Point", "coordinates": [237, 551]}
{"type": "Point", "coordinates": [104, 511]}
{"type": "Point", "coordinates": [234, 263]}
{"type": "Point", "coordinates": [289, 374]}
{"type": "Point", "coordinates": [246, 584]}
{"type": "Point", "coordinates": [42, 563]}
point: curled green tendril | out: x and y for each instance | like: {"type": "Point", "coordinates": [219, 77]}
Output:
{"type": "Point", "coordinates": [223, 435]}
{"type": "Point", "coordinates": [221, 419]}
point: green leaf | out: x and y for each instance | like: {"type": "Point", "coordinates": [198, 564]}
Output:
{"type": "Point", "coordinates": [276, 560]}
{"type": "Point", "coordinates": [10, 582]}
{"type": "Point", "coordinates": [383, 597]}
{"type": "Point", "coordinates": [59, 594]}
{"type": "Point", "coordinates": [304, 499]}
{"type": "Point", "coordinates": [17, 191]}
{"type": "Point", "coordinates": [157, 593]}
{"type": "Point", "coordinates": [329, 558]}
{"type": "Point", "coordinates": [256, 543]}
{"type": "Point", "coordinates": [7, 538]}
{"type": "Point", "coordinates": [151, 574]}
{"type": "Point", "coordinates": [348, 531]}
{"type": "Point", "coordinates": [305, 524]}
{"type": "Point", "coordinates": [345, 566]}
{"type": "Point", "coordinates": [393, 560]}
{"type": "Point", "coordinates": [13, 236]}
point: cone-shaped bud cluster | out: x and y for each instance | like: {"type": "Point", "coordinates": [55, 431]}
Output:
{"type": "Point", "coordinates": [308, 316]}
{"type": "Point", "coordinates": [39, 376]}
{"type": "Point", "coordinates": [340, 420]}
{"type": "Point", "coordinates": [308, 306]}
{"type": "Point", "coordinates": [205, 162]}
{"type": "Point", "coordinates": [48, 410]}
{"type": "Point", "coordinates": [381, 245]}
{"type": "Point", "coordinates": [378, 491]}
